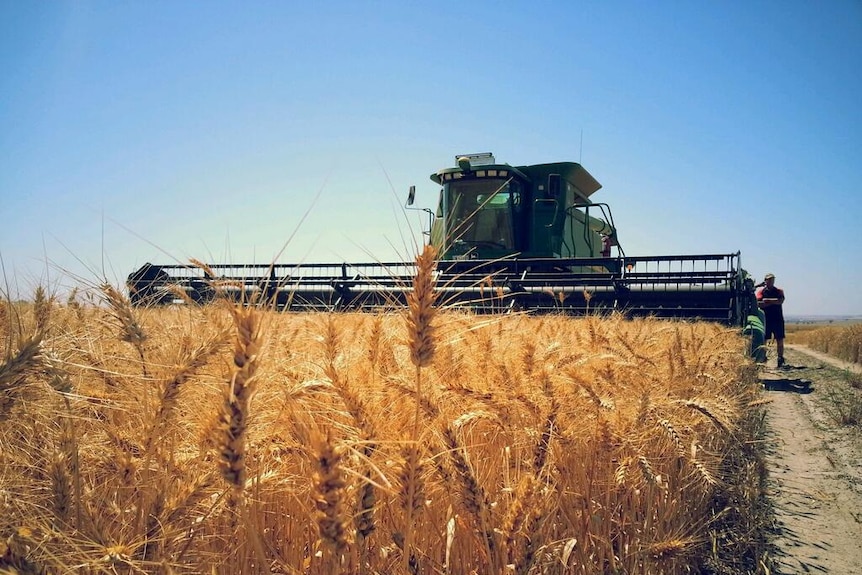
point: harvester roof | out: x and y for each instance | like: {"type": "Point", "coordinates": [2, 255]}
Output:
{"type": "Point", "coordinates": [573, 173]}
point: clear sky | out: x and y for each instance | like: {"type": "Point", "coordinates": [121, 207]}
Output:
{"type": "Point", "coordinates": [158, 131]}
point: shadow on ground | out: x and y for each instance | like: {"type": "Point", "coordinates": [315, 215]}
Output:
{"type": "Point", "coordinates": [787, 384]}
{"type": "Point", "coordinates": [779, 379]}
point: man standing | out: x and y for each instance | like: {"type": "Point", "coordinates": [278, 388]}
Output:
{"type": "Point", "coordinates": [770, 300]}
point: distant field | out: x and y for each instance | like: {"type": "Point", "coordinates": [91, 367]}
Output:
{"type": "Point", "coordinates": [841, 338]}
{"type": "Point", "coordinates": [823, 320]}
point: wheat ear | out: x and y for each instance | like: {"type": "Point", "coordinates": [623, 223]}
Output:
{"type": "Point", "coordinates": [669, 549]}
{"type": "Point", "coordinates": [5, 319]}
{"type": "Point", "coordinates": [672, 433]}
{"type": "Point", "coordinates": [130, 329]}
{"type": "Point", "coordinates": [235, 410]}
{"type": "Point", "coordinates": [329, 487]}
{"type": "Point", "coordinates": [42, 309]}
{"type": "Point", "coordinates": [519, 513]}
{"type": "Point", "coordinates": [420, 309]}
{"type": "Point", "coordinates": [709, 411]}
{"type": "Point", "coordinates": [540, 451]}
{"type": "Point", "coordinates": [375, 341]}
{"type": "Point", "coordinates": [61, 483]}
{"type": "Point", "coordinates": [13, 371]}
{"type": "Point", "coordinates": [15, 552]}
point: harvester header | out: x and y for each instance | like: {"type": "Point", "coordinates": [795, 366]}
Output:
{"type": "Point", "coordinates": [508, 238]}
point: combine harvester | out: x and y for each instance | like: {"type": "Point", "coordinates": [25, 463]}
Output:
{"type": "Point", "coordinates": [524, 238]}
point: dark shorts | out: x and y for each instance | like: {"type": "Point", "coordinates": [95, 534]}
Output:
{"type": "Point", "coordinates": [775, 330]}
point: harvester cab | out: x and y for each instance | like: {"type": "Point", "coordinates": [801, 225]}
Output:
{"type": "Point", "coordinates": [488, 210]}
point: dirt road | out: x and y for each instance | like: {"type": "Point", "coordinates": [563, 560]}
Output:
{"type": "Point", "coordinates": [815, 467]}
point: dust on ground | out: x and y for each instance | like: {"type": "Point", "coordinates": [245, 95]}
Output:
{"type": "Point", "coordinates": [815, 466]}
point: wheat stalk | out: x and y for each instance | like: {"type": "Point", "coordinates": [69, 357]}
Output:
{"type": "Point", "coordinates": [411, 495]}
{"type": "Point", "coordinates": [421, 343]}
{"type": "Point", "coordinates": [167, 511]}
{"type": "Point", "coordinates": [363, 520]}
{"type": "Point", "coordinates": [474, 498]}
{"type": "Point", "coordinates": [535, 515]}
{"type": "Point", "coordinates": [428, 406]}
{"type": "Point", "coordinates": [191, 359]}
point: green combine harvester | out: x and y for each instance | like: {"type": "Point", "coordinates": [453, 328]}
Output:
{"type": "Point", "coordinates": [509, 238]}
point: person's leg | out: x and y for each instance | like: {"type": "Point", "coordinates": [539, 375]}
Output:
{"type": "Point", "coordinates": [779, 343]}
{"type": "Point", "coordinates": [768, 337]}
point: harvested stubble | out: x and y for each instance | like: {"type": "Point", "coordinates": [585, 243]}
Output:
{"type": "Point", "coordinates": [545, 445]}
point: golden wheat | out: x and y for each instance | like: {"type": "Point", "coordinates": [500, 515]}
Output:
{"type": "Point", "coordinates": [472, 445]}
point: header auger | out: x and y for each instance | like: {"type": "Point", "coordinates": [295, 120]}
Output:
{"type": "Point", "coordinates": [508, 238]}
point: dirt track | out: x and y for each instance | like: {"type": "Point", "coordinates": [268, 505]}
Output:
{"type": "Point", "coordinates": [815, 468]}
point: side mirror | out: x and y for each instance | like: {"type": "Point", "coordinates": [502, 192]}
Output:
{"type": "Point", "coordinates": [554, 185]}
{"type": "Point", "coordinates": [411, 195]}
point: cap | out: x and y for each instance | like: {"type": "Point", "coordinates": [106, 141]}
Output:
{"type": "Point", "coordinates": [769, 276]}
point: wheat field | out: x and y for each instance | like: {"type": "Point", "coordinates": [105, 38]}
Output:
{"type": "Point", "coordinates": [843, 341]}
{"type": "Point", "coordinates": [227, 440]}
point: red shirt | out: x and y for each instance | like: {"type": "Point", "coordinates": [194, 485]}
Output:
{"type": "Point", "coordinates": [773, 312]}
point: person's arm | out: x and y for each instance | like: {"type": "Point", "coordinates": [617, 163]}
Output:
{"type": "Point", "coordinates": [768, 301]}
{"type": "Point", "coordinates": [780, 299]}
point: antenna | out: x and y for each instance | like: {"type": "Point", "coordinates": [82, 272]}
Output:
{"type": "Point", "coordinates": [104, 276]}
{"type": "Point", "coordinates": [581, 152]}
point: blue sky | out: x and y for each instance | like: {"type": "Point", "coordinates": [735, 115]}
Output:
{"type": "Point", "coordinates": [158, 131]}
